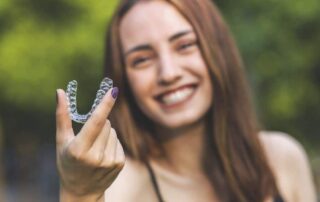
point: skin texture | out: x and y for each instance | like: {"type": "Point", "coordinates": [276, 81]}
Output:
{"type": "Point", "coordinates": [89, 161]}
{"type": "Point", "coordinates": [290, 165]}
{"type": "Point", "coordinates": [285, 155]}
{"type": "Point", "coordinates": [162, 65]}
{"type": "Point", "coordinates": [184, 180]}
{"type": "Point", "coordinates": [171, 60]}
{"type": "Point", "coordinates": [167, 62]}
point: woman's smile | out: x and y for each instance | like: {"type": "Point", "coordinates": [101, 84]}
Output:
{"type": "Point", "coordinates": [164, 65]}
{"type": "Point", "coordinates": [178, 97]}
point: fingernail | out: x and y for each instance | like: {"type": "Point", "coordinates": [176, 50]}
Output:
{"type": "Point", "coordinates": [115, 92]}
{"type": "Point", "coordinates": [57, 100]}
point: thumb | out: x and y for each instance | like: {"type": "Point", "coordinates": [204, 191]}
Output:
{"type": "Point", "coordinates": [63, 122]}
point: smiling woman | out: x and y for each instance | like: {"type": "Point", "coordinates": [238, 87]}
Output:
{"type": "Point", "coordinates": [183, 116]}
{"type": "Point", "coordinates": [166, 55]}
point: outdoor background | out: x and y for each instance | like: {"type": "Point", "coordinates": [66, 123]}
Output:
{"type": "Point", "coordinates": [46, 43]}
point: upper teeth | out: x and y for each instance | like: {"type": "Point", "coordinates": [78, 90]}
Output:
{"type": "Point", "coordinates": [177, 96]}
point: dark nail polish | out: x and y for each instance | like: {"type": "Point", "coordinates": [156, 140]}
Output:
{"type": "Point", "coordinates": [114, 92]}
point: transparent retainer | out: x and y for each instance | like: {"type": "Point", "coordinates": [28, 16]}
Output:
{"type": "Point", "coordinates": [71, 92]}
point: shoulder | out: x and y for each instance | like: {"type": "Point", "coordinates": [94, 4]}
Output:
{"type": "Point", "coordinates": [284, 151]}
{"type": "Point", "coordinates": [130, 183]}
{"type": "Point", "coordinates": [281, 145]}
{"type": "Point", "coordinates": [289, 162]}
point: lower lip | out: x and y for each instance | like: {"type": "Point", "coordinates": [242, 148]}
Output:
{"type": "Point", "coordinates": [179, 104]}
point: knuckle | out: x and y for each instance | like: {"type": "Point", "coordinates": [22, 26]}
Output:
{"type": "Point", "coordinates": [98, 158]}
{"type": "Point", "coordinates": [75, 154]}
{"type": "Point", "coordinates": [88, 159]}
{"type": "Point", "coordinates": [59, 112]}
{"type": "Point", "coordinates": [119, 164]}
{"type": "Point", "coordinates": [95, 160]}
{"type": "Point", "coordinates": [107, 164]}
{"type": "Point", "coordinates": [97, 120]}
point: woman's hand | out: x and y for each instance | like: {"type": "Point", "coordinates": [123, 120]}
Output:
{"type": "Point", "coordinates": [91, 160]}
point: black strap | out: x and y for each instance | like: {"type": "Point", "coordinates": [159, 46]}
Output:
{"type": "Point", "coordinates": [278, 198]}
{"type": "Point", "coordinates": [154, 182]}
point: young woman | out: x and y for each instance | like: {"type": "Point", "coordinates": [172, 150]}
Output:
{"type": "Point", "coordinates": [183, 117]}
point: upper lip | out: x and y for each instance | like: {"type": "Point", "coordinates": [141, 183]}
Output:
{"type": "Point", "coordinates": [162, 93]}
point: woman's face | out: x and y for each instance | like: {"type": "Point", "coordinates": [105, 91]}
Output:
{"type": "Point", "coordinates": [166, 72]}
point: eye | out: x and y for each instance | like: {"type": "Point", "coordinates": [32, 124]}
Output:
{"type": "Point", "coordinates": [139, 60]}
{"type": "Point", "coordinates": [186, 45]}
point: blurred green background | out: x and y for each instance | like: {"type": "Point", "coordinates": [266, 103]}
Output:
{"type": "Point", "coordinates": [46, 43]}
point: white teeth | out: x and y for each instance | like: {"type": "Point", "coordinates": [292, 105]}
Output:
{"type": "Point", "coordinates": [177, 96]}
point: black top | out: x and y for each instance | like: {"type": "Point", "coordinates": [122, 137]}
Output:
{"type": "Point", "coordinates": [153, 178]}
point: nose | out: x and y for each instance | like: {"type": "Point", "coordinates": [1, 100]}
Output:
{"type": "Point", "coordinates": [169, 70]}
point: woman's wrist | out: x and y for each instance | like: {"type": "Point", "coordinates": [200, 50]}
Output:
{"type": "Point", "coordinates": [66, 196]}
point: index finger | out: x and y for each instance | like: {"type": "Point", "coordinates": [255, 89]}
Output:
{"type": "Point", "coordinates": [95, 123]}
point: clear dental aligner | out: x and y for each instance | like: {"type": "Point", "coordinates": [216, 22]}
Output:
{"type": "Point", "coordinates": [71, 92]}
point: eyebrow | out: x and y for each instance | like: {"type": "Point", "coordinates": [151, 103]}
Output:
{"type": "Point", "coordinates": [148, 47]}
{"type": "Point", "coordinates": [179, 34]}
{"type": "Point", "coordinates": [138, 48]}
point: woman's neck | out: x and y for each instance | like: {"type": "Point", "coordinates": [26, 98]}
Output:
{"type": "Point", "coordinates": [184, 149]}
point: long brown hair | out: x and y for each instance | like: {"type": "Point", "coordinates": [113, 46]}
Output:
{"type": "Point", "coordinates": [234, 160]}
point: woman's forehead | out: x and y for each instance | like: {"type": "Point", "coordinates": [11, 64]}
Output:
{"type": "Point", "coordinates": [151, 20]}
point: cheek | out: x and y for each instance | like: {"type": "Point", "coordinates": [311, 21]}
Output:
{"type": "Point", "coordinates": [141, 83]}
{"type": "Point", "coordinates": [200, 69]}
{"type": "Point", "coordinates": [196, 63]}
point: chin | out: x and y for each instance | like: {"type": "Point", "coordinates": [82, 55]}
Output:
{"type": "Point", "coordinates": [184, 121]}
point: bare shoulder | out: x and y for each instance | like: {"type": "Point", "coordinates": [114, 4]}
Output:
{"type": "Point", "coordinates": [129, 184]}
{"type": "Point", "coordinates": [281, 145]}
{"type": "Point", "coordinates": [290, 165]}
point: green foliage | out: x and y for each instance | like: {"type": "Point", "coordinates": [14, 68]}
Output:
{"type": "Point", "coordinates": [279, 41]}
{"type": "Point", "coordinates": [46, 43]}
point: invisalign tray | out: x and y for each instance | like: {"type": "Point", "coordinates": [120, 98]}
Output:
{"type": "Point", "coordinates": [71, 92]}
